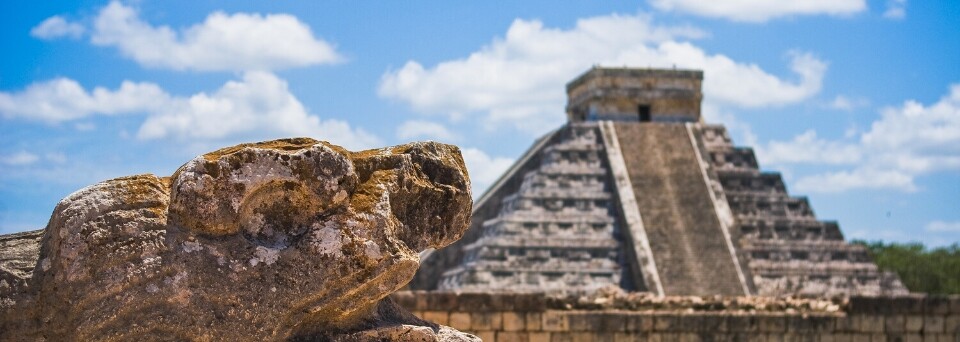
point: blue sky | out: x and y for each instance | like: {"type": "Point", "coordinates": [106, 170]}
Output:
{"type": "Point", "coordinates": [856, 102]}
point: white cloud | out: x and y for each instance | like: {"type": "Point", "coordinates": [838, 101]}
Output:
{"type": "Point", "coordinates": [739, 130]}
{"type": "Point", "coordinates": [424, 129]}
{"type": "Point", "coordinates": [223, 41]}
{"type": "Point", "coordinates": [56, 157]}
{"type": "Point", "coordinates": [808, 148]}
{"type": "Point", "coordinates": [260, 106]}
{"type": "Point", "coordinates": [896, 9]}
{"type": "Point", "coordinates": [19, 159]}
{"type": "Point", "coordinates": [918, 138]}
{"type": "Point", "coordinates": [861, 178]}
{"type": "Point", "coordinates": [904, 143]}
{"type": "Point", "coordinates": [760, 10]}
{"type": "Point", "coordinates": [851, 131]}
{"type": "Point", "coordinates": [519, 79]}
{"type": "Point", "coordinates": [943, 227]}
{"type": "Point", "coordinates": [56, 27]}
{"type": "Point", "coordinates": [746, 85]}
{"type": "Point", "coordinates": [484, 169]}
{"type": "Point", "coordinates": [85, 126]}
{"type": "Point", "coordinates": [63, 99]}
{"type": "Point", "coordinates": [845, 103]}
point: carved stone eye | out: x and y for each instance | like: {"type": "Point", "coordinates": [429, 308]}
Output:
{"type": "Point", "coordinates": [274, 215]}
{"type": "Point", "coordinates": [271, 195]}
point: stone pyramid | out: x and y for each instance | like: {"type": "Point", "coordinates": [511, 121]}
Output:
{"type": "Point", "coordinates": [636, 191]}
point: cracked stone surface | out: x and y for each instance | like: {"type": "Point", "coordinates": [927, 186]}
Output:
{"type": "Point", "coordinates": [290, 239]}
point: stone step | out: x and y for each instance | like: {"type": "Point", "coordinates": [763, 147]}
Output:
{"type": "Point", "coordinates": [685, 234]}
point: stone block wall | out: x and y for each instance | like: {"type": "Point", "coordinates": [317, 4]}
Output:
{"type": "Point", "coordinates": [617, 94]}
{"type": "Point", "coordinates": [786, 249]}
{"type": "Point", "coordinates": [538, 317]}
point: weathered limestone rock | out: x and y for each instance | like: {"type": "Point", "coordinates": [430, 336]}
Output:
{"type": "Point", "coordinates": [286, 239]}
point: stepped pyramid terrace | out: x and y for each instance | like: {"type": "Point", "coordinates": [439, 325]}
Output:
{"type": "Point", "coordinates": [636, 191]}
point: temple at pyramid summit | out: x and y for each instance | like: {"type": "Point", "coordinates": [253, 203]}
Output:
{"type": "Point", "coordinates": [636, 191]}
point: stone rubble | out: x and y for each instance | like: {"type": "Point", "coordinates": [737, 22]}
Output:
{"type": "Point", "coordinates": [614, 298]}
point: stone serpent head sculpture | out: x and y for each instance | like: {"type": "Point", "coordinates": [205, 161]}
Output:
{"type": "Point", "coordinates": [267, 241]}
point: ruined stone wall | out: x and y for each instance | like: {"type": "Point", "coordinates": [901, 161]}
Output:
{"type": "Point", "coordinates": [669, 206]}
{"type": "Point", "coordinates": [786, 248]}
{"type": "Point", "coordinates": [558, 231]}
{"type": "Point", "coordinates": [616, 93]}
{"type": "Point", "coordinates": [674, 209]}
{"type": "Point", "coordinates": [536, 317]}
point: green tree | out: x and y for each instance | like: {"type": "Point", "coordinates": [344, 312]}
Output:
{"type": "Point", "coordinates": [920, 269]}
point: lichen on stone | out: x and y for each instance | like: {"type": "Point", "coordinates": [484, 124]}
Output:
{"type": "Point", "coordinates": [291, 238]}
